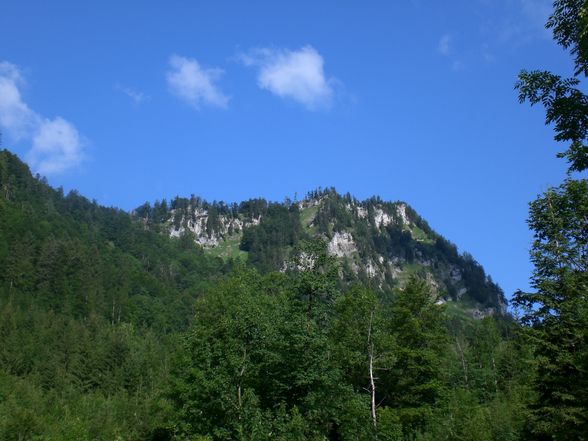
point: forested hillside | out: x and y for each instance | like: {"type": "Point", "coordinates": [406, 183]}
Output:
{"type": "Point", "coordinates": [90, 307]}
{"type": "Point", "coordinates": [111, 330]}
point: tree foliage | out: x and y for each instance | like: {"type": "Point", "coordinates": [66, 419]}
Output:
{"type": "Point", "coordinates": [566, 106]}
{"type": "Point", "coordinates": [556, 314]}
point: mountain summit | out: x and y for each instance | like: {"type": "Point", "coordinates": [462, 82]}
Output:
{"type": "Point", "coordinates": [378, 243]}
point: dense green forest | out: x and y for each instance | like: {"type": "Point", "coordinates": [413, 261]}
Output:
{"type": "Point", "coordinates": [112, 330]}
{"type": "Point", "coordinates": [251, 325]}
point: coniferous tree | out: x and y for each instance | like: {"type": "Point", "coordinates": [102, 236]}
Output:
{"type": "Point", "coordinates": [556, 313]}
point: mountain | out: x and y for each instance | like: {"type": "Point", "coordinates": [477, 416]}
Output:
{"type": "Point", "coordinates": [150, 325]}
{"type": "Point", "coordinates": [379, 244]}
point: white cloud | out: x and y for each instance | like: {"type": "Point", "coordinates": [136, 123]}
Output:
{"type": "Point", "coordinates": [488, 57]}
{"type": "Point", "coordinates": [194, 84]}
{"type": "Point", "coordinates": [298, 75]}
{"type": "Point", "coordinates": [137, 96]}
{"type": "Point", "coordinates": [56, 144]}
{"type": "Point", "coordinates": [515, 23]}
{"type": "Point", "coordinates": [537, 12]}
{"type": "Point", "coordinates": [15, 116]}
{"type": "Point", "coordinates": [56, 147]}
{"type": "Point", "coordinates": [444, 45]}
{"type": "Point", "coordinates": [457, 65]}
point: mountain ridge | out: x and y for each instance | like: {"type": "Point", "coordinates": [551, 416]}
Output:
{"type": "Point", "coordinates": [378, 243]}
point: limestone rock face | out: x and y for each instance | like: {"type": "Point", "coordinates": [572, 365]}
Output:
{"type": "Point", "coordinates": [341, 245]}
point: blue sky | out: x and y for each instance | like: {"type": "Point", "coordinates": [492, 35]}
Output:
{"type": "Point", "coordinates": [135, 101]}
